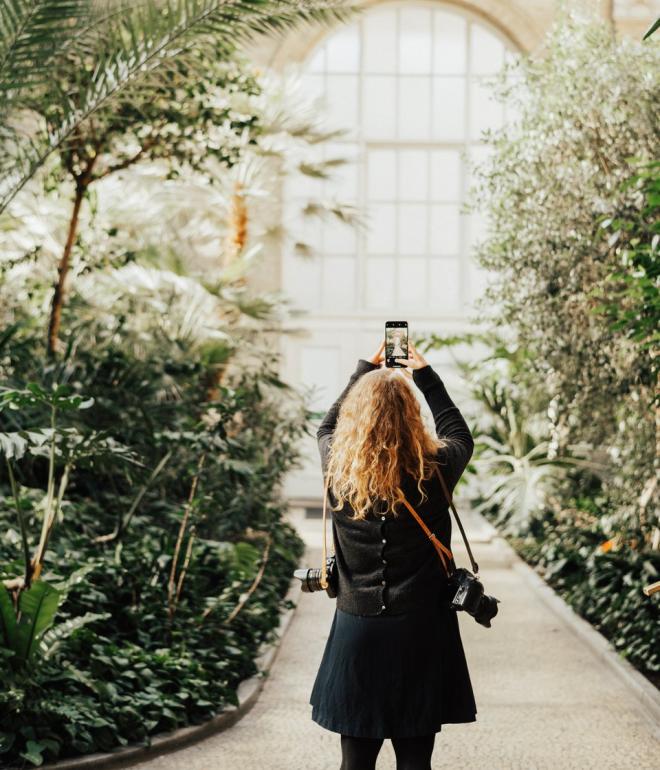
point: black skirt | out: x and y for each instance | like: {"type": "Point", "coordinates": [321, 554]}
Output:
{"type": "Point", "coordinates": [387, 676]}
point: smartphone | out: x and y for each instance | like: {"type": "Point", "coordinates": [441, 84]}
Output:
{"type": "Point", "coordinates": [396, 342]}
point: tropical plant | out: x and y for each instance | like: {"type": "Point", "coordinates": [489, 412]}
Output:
{"type": "Point", "coordinates": [27, 626]}
{"type": "Point", "coordinates": [133, 47]}
{"type": "Point", "coordinates": [630, 294]}
{"type": "Point", "coordinates": [67, 447]}
{"type": "Point", "coordinates": [557, 169]}
{"type": "Point", "coordinates": [517, 466]}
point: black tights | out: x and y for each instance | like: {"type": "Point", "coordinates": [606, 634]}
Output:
{"type": "Point", "coordinates": [411, 753]}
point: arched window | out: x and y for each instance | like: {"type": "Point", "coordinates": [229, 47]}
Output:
{"type": "Point", "coordinates": [407, 80]}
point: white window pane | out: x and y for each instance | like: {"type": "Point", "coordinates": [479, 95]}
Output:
{"type": "Point", "coordinates": [302, 279]}
{"type": "Point", "coordinates": [413, 175]}
{"type": "Point", "coordinates": [412, 282]}
{"type": "Point", "coordinates": [445, 175]}
{"type": "Point", "coordinates": [444, 286]}
{"type": "Point", "coordinates": [380, 287]}
{"type": "Point", "coordinates": [339, 282]}
{"type": "Point", "coordinates": [316, 62]}
{"type": "Point", "coordinates": [339, 238]}
{"type": "Point", "coordinates": [380, 41]}
{"type": "Point", "coordinates": [485, 112]}
{"type": "Point", "coordinates": [412, 228]}
{"type": "Point", "coordinates": [381, 175]}
{"type": "Point", "coordinates": [486, 51]}
{"type": "Point", "coordinates": [415, 40]}
{"type": "Point", "coordinates": [343, 51]}
{"type": "Point", "coordinates": [445, 229]}
{"type": "Point", "coordinates": [342, 100]}
{"type": "Point", "coordinates": [414, 107]}
{"type": "Point", "coordinates": [316, 367]}
{"type": "Point", "coordinates": [379, 107]}
{"type": "Point", "coordinates": [448, 109]}
{"type": "Point", "coordinates": [450, 44]}
{"type": "Point", "coordinates": [381, 236]}
{"type": "Point", "coordinates": [312, 86]}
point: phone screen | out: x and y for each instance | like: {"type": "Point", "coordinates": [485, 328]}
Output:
{"type": "Point", "coordinates": [396, 342]}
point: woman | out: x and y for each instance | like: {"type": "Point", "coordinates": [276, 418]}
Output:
{"type": "Point", "coordinates": [393, 666]}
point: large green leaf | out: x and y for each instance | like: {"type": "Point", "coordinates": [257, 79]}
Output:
{"type": "Point", "coordinates": [52, 638]}
{"type": "Point", "coordinates": [7, 619]}
{"type": "Point", "coordinates": [37, 607]}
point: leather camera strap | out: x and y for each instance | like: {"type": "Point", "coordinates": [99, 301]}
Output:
{"type": "Point", "coordinates": [439, 547]}
{"type": "Point", "coordinates": [475, 566]}
{"type": "Point", "coordinates": [324, 571]}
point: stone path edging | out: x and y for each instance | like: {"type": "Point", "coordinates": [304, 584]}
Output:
{"type": "Point", "coordinates": [248, 692]}
{"type": "Point", "coordinates": [647, 694]}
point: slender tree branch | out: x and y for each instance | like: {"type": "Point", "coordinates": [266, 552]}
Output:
{"type": "Point", "coordinates": [21, 523]}
{"type": "Point", "coordinates": [171, 587]}
{"type": "Point", "coordinates": [245, 597]}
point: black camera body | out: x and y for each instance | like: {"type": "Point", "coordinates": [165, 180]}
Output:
{"type": "Point", "coordinates": [468, 595]}
{"type": "Point", "coordinates": [311, 577]}
{"type": "Point", "coordinates": [465, 592]}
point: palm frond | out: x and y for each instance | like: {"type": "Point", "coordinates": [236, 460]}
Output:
{"type": "Point", "coordinates": [32, 32]}
{"type": "Point", "coordinates": [131, 47]}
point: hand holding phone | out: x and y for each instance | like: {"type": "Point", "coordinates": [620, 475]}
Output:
{"type": "Point", "coordinates": [379, 356]}
{"type": "Point", "coordinates": [415, 359]}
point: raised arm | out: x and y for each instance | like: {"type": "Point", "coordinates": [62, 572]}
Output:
{"type": "Point", "coordinates": [449, 424]}
{"type": "Point", "coordinates": [329, 422]}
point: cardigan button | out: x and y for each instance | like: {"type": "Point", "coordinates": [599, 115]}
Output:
{"type": "Point", "coordinates": [383, 607]}
{"type": "Point", "coordinates": [384, 582]}
{"type": "Point", "coordinates": [384, 561]}
{"type": "Point", "coordinates": [383, 518]}
{"type": "Point", "coordinates": [384, 539]}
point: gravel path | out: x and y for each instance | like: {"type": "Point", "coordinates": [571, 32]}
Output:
{"type": "Point", "coordinates": [545, 700]}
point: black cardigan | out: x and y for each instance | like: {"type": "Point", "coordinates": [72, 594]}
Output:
{"type": "Point", "coordinates": [386, 564]}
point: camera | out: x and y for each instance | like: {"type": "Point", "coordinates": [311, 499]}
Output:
{"type": "Point", "coordinates": [469, 596]}
{"type": "Point", "coordinates": [311, 577]}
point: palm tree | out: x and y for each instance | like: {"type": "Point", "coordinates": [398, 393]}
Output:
{"type": "Point", "coordinates": [132, 46]}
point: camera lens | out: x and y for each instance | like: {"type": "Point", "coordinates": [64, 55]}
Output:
{"type": "Point", "coordinates": [311, 579]}
{"type": "Point", "coordinates": [486, 611]}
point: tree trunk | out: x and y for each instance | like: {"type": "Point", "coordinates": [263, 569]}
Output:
{"type": "Point", "coordinates": [62, 270]}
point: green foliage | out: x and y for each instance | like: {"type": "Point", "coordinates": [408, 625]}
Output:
{"type": "Point", "coordinates": [603, 584]}
{"type": "Point", "coordinates": [516, 465]}
{"type": "Point", "coordinates": [152, 447]}
{"type": "Point", "coordinates": [630, 295]}
{"type": "Point", "coordinates": [571, 196]}
{"type": "Point", "coordinates": [114, 666]}
{"type": "Point", "coordinates": [133, 49]}
{"type": "Point", "coordinates": [130, 673]}
{"type": "Point", "coordinates": [559, 170]}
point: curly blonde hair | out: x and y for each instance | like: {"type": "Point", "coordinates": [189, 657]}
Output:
{"type": "Point", "coordinates": [380, 436]}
